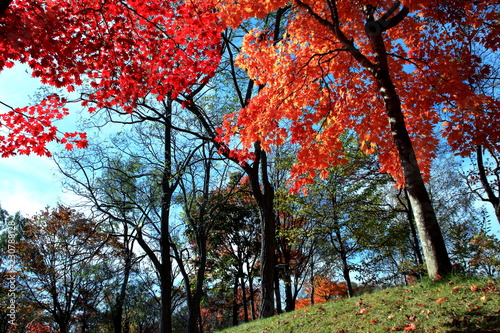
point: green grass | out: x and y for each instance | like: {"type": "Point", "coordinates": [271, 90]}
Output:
{"type": "Point", "coordinates": [449, 305]}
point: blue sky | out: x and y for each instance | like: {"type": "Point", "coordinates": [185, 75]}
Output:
{"type": "Point", "coordinates": [27, 183]}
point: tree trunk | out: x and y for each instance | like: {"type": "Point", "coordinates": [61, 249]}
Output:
{"type": "Point", "coordinates": [491, 197]}
{"type": "Point", "coordinates": [313, 287]}
{"type": "Point", "coordinates": [244, 295]}
{"type": "Point", "coordinates": [264, 197]}
{"type": "Point", "coordinates": [436, 255]}
{"type": "Point", "coordinates": [414, 236]}
{"type": "Point", "coordinates": [345, 264]}
{"type": "Point", "coordinates": [117, 311]}
{"type": "Point", "coordinates": [252, 295]}
{"type": "Point", "coordinates": [235, 301]}
{"type": "Point", "coordinates": [277, 293]}
{"type": "Point", "coordinates": [166, 264]}
{"type": "Point", "coordinates": [195, 300]}
{"type": "Point", "coordinates": [287, 279]}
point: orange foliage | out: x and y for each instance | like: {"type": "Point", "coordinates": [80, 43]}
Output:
{"type": "Point", "coordinates": [318, 79]}
{"type": "Point", "coordinates": [324, 290]}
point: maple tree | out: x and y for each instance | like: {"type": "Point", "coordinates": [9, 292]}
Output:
{"type": "Point", "coordinates": [125, 50]}
{"type": "Point", "coordinates": [387, 72]}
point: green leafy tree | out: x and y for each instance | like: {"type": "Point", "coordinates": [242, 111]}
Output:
{"type": "Point", "coordinates": [351, 215]}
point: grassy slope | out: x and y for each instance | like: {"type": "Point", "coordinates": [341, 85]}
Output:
{"type": "Point", "coordinates": [454, 305]}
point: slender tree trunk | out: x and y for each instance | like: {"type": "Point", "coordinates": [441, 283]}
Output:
{"type": "Point", "coordinates": [252, 295]}
{"type": "Point", "coordinates": [345, 264]}
{"type": "Point", "coordinates": [313, 287]}
{"type": "Point", "coordinates": [491, 197]}
{"type": "Point", "coordinates": [287, 280]}
{"type": "Point", "coordinates": [117, 311]}
{"type": "Point", "coordinates": [264, 197]}
{"type": "Point", "coordinates": [244, 295]}
{"type": "Point", "coordinates": [166, 264]}
{"type": "Point", "coordinates": [235, 301]}
{"type": "Point", "coordinates": [268, 261]}
{"type": "Point", "coordinates": [277, 293]}
{"type": "Point", "coordinates": [195, 300]}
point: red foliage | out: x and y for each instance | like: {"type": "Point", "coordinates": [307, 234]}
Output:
{"type": "Point", "coordinates": [127, 50]}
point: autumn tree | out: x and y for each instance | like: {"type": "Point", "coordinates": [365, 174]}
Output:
{"type": "Point", "coordinates": [385, 71]}
{"type": "Point", "coordinates": [69, 42]}
{"type": "Point", "coordinates": [60, 254]}
{"type": "Point", "coordinates": [176, 44]}
{"type": "Point", "coordinates": [322, 290]}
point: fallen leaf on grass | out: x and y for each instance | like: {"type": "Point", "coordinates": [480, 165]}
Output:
{"type": "Point", "coordinates": [473, 288]}
{"type": "Point", "coordinates": [441, 300]}
{"type": "Point", "coordinates": [360, 312]}
{"type": "Point", "coordinates": [410, 327]}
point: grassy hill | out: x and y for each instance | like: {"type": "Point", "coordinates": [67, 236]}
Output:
{"type": "Point", "coordinates": [451, 305]}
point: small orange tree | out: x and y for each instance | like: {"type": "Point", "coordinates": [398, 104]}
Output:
{"type": "Point", "coordinates": [322, 290]}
